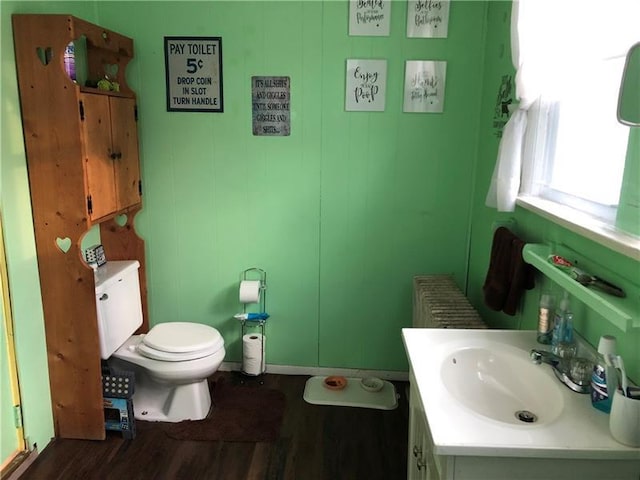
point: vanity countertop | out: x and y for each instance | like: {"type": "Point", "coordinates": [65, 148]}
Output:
{"type": "Point", "coordinates": [580, 431]}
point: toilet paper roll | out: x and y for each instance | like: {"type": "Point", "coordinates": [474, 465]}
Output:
{"type": "Point", "coordinates": [250, 291]}
{"type": "Point", "coordinates": [253, 353]}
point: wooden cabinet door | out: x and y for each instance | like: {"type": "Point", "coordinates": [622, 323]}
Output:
{"type": "Point", "coordinates": [126, 165]}
{"type": "Point", "coordinates": [96, 125]}
{"type": "Point", "coordinates": [112, 165]}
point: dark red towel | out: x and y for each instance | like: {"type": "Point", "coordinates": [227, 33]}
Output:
{"type": "Point", "coordinates": [508, 275]}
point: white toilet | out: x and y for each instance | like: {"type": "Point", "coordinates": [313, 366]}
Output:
{"type": "Point", "coordinates": [171, 363]}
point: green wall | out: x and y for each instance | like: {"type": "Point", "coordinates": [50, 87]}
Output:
{"type": "Point", "coordinates": [619, 269]}
{"type": "Point", "coordinates": [341, 214]}
{"type": "Point", "coordinates": [8, 439]}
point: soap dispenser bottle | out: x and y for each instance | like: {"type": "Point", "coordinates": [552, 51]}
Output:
{"type": "Point", "coordinates": [604, 379]}
{"type": "Point", "coordinates": [562, 342]}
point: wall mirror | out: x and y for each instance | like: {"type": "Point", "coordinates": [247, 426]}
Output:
{"type": "Point", "coordinates": [629, 98]}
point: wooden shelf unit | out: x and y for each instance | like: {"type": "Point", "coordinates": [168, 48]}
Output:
{"type": "Point", "coordinates": [59, 163]}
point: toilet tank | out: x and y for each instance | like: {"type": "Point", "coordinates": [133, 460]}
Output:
{"type": "Point", "coordinates": [118, 303]}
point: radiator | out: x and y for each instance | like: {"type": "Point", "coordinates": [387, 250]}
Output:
{"type": "Point", "coordinates": [439, 303]}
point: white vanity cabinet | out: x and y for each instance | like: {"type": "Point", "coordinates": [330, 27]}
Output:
{"type": "Point", "coordinates": [449, 440]}
{"type": "Point", "coordinates": [422, 462]}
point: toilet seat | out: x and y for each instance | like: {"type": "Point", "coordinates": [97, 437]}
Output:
{"type": "Point", "coordinates": [180, 341]}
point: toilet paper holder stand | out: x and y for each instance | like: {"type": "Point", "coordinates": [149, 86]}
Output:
{"type": "Point", "coordinates": [263, 287]}
{"type": "Point", "coordinates": [260, 322]}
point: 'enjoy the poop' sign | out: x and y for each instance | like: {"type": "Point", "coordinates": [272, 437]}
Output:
{"type": "Point", "coordinates": [366, 85]}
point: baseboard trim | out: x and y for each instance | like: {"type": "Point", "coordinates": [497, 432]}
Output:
{"type": "Point", "coordinates": [312, 371]}
{"type": "Point", "coordinates": [23, 462]}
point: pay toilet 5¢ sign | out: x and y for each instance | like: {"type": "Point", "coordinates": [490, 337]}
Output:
{"type": "Point", "coordinates": [194, 74]}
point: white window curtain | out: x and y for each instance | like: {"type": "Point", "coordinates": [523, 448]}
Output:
{"type": "Point", "coordinates": [552, 45]}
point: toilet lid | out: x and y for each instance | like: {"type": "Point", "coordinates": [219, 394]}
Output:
{"type": "Point", "coordinates": [180, 341]}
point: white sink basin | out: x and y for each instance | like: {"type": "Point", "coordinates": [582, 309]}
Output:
{"type": "Point", "coordinates": [470, 383]}
{"type": "Point", "coordinates": [497, 383]}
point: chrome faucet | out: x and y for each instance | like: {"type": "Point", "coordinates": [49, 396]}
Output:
{"type": "Point", "coordinates": [542, 356]}
{"type": "Point", "coordinates": [562, 369]}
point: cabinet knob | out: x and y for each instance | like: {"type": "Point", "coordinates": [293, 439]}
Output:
{"type": "Point", "coordinates": [104, 296]}
{"type": "Point", "coordinates": [420, 464]}
{"type": "Point", "coordinates": [416, 451]}
{"type": "Point", "coordinates": [116, 156]}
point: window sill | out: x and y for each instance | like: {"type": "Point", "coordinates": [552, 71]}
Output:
{"type": "Point", "coordinates": [585, 225]}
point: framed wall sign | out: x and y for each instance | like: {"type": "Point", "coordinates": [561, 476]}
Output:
{"type": "Point", "coordinates": [270, 100]}
{"type": "Point", "coordinates": [194, 74]}
{"type": "Point", "coordinates": [427, 18]}
{"type": "Point", "coordinates": [366, 85]}
{"type": "Point", "coordinates": [369, 17]}
{"type": "Point", "coordinates": [424, 83]}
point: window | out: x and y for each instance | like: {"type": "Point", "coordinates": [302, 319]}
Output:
{"type": "Point", "coordinates": [563, 145]}
{"type": "Point", "coordinates": [585, 147]}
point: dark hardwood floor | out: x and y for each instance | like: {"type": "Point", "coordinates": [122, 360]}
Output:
{"type": "Point", "coordinates": [315, 443]}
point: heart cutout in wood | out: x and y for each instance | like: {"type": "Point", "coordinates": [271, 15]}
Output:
{"type": "Point", "coordinates": [64, 244]}
{"type": "Point", "coordinates": [110, 69]}
{"type": "Point", "coordinates": [121, 219]}
{"type": "Point", "coordinates": [44, 54]}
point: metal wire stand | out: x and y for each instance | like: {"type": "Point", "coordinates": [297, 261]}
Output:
{"type": "Point", "coordinates": [253, 323]}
